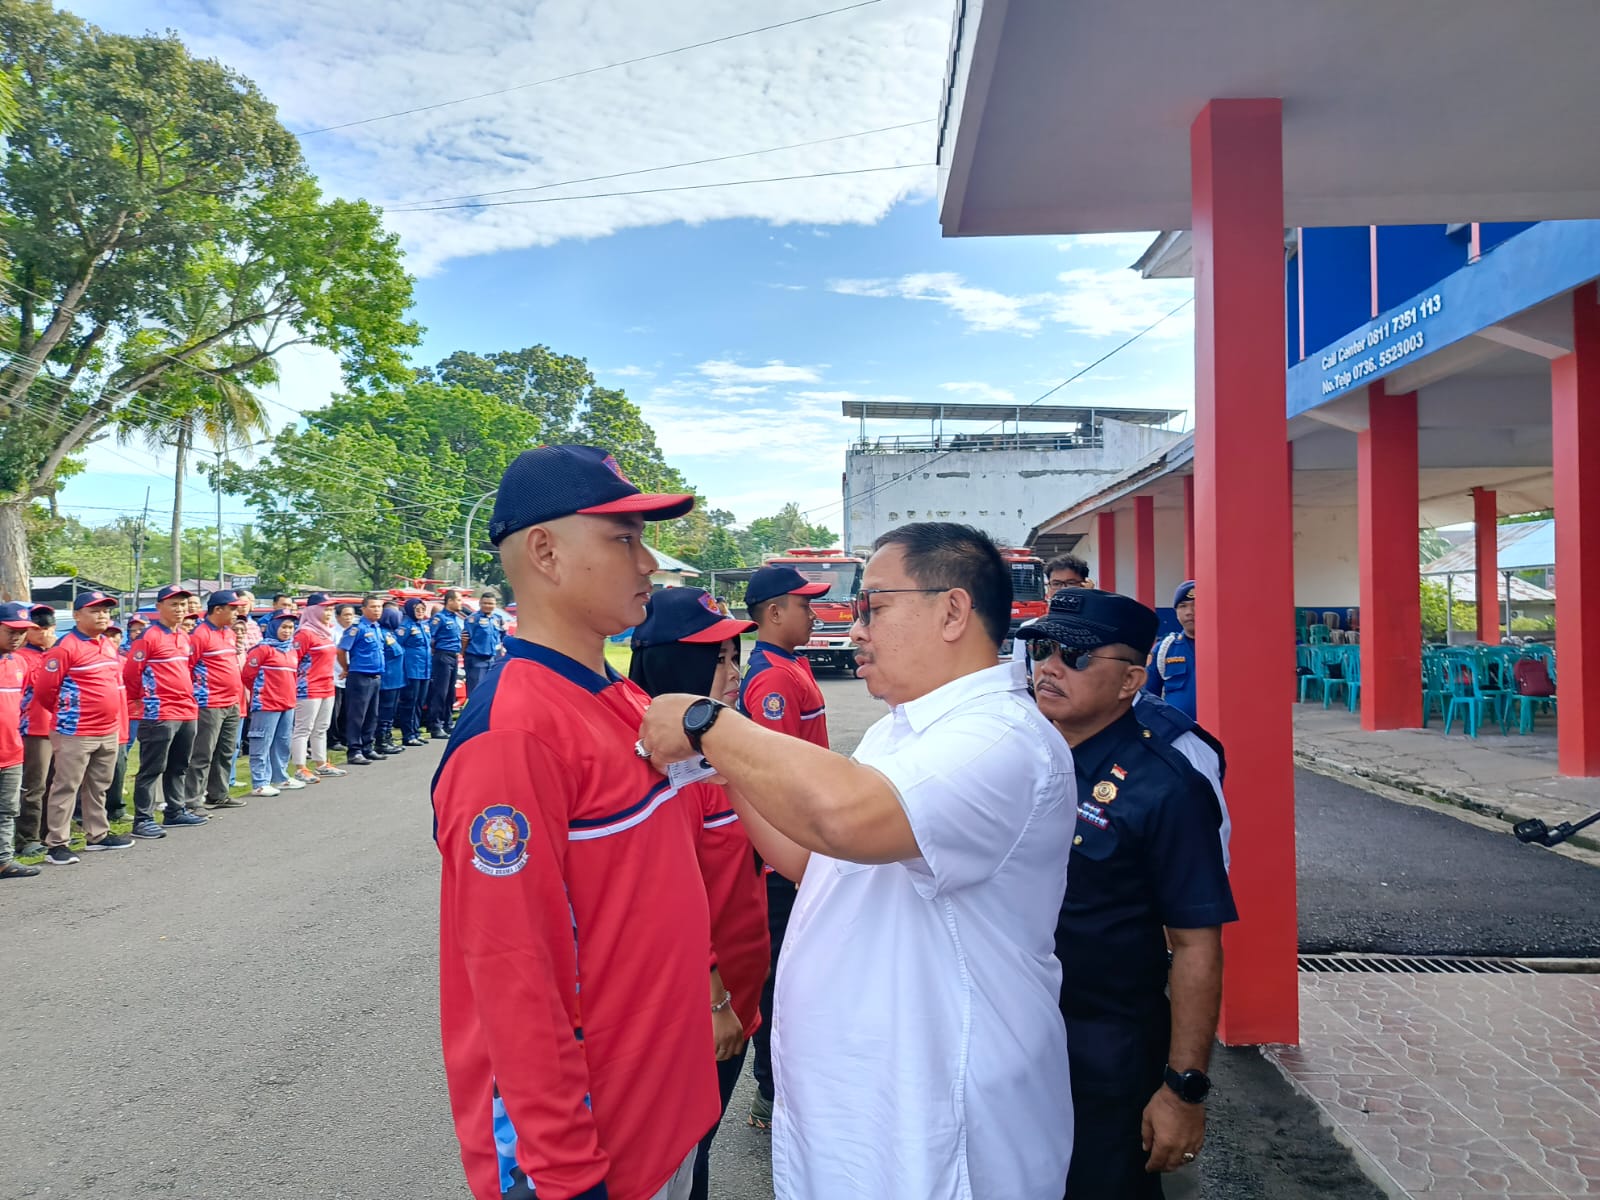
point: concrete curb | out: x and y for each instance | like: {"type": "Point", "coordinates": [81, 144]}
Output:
{"type": "Point", "coordinates": [1582, 847]}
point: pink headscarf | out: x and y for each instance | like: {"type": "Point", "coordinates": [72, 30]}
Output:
{"type": "Point", "coordinates": [315, 619]}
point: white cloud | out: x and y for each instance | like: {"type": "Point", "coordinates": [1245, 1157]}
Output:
{"type": "Point", "coordinates": [741, 390]}
{"type": "Point", "coordinates": [788, 287]}
{"type": "Point", "coordinates": [774, 370]}
{"type": "Point", "coordinates": [628, 372]}
{"type": "Point", "coordinates": [985, 392]}
{"type": "Point", "coordinates": [325, 64]}
{"type": "Point", "coordinates": [1099, 303]}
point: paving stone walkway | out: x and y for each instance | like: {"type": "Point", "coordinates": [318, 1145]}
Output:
{"type": "Point", "coordinates": [1456, 1086]}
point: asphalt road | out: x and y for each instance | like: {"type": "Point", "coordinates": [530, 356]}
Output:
{"type": "Point", "coordinates": [248, 1009]}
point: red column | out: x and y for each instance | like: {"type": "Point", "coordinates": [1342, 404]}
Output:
{"type": "Point", "coordinates": [1105, 549]}
{"type": "Point", "coordinates": [1188, 526]}
{"type": "Point", "coordinates": [1244, 548]}
{"type": "Point", "coordinates": [1486, 536]}
{"type": "Point", "coordinates": [1144, 558]}
{"type": "Point", "coordinates": [1575, 433]}
{"type": "Point", "coordinates": [1391, 604]}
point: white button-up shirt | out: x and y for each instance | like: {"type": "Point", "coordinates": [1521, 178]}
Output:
{"type": "Point", "coordinates": [918, 1047]}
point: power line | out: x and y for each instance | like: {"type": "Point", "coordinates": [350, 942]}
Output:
{"type": "Point", "coordinates": [626, 62]}
{"type": "Point", "coordinates": [410, 205]}
{"type": "Point", "coordinates": [687, 187]}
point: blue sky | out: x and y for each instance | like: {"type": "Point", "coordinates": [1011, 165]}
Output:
{"type": "Point", "coordinates": [739, 318]}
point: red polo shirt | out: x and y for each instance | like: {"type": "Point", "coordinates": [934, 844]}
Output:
{"type": "Point", "coordinates": [157, 675]}
{"type": "Point", "coordinates": [37, 720]}
{"type": "Point", "coordinates": [214, 666]}
{"type": "Point", "coordinates": [14, 675]}
{"type": "Point", "coordinates": [572, 941]}
{"type": "Point", "coordinates": [737, 896]}
{"type": "Point", "coordinates": [79, 680]}
{"type": "Point", "coordinates": [780, 692]}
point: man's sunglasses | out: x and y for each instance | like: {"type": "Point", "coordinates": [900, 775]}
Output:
{"type": "Point", "coordinates": [1076, 660]}
{"type": "Point", "coordinates": [861, 606]}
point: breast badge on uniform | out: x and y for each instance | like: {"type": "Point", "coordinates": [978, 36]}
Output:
{"type": "Point", "coordinates": [1105, 791]}
{"type": "Point", "coordinates": [773, 706]}
{"type": "Point", "coordinates": [500, 840]}
{"type": "Point", "coordinates": [1118, 773]}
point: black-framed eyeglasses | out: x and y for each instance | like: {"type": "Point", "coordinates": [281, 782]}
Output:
{"type": "Point", "coordinates": [1056, 585]}
{"type": "Point", "coordinates": [1041, 649]}
{"type": "Point", "coordinates": [861, 606]}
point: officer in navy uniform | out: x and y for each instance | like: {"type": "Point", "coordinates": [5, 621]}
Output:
{"type": "Point", "coordinates": [1146, 869]}
{"type": "Point", "coordinates": [1171, 673]}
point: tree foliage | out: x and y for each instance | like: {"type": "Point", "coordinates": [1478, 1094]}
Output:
{"type": "Point", "coordinates": [137, 173]}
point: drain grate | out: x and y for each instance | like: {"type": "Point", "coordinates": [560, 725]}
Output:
{"type": "Point", "coordinates": [1403, 964]}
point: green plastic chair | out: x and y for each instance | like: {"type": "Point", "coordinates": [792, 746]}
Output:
{"type": "Point", "coordinates": [1335, 682]}
{"type": "Point", "coordinates": [1352, 677]}
{"type": "Point", "coordinates": [1317, 634]}
{"type": "Point", "coordinates": [1319, 672]}
{"type": "Point", "coordinates": [1498, 666]}
{"type": "Point", "coordinates": [1435, 684]}
{"type": "Point", "coordinates": [1527, 706]}
{"type": "Point", "coordinates": [1465, 694]}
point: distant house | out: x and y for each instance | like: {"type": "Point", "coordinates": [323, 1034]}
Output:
{"type": "Point", "coordinates": [59, 591]}
{"type": "Point", "coordinates": [672, 572]}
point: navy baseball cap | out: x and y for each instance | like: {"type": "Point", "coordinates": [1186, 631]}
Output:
{"type": "Point", "coordinates": [1087, 620]}
{"type": "Point", "coordinates": [1185, 592]}
{"type": "Point", "coordinates": [171, 591]}
{"type": "Point", "coordinates": [93, 600]}
{"type": "Point", "coordinates": [317, 598]}
{"type": "Point", "coordinates": [558, 481]}
{"type": "Point", "coordinates": [221, 599]}
{"type": "Point", "coordinates": [771, 582]}
{"type": "Point", "coordinates": [684, 614]}
{"type": "Point", "coordinates": [14, 615]}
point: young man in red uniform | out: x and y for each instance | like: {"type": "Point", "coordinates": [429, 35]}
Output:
{"type": "Point", "coordinates": [573, 930]}
{"type": "Point", "coordinates": [780, 693]}
{"type": "Point", "coordinates": [79, 681]}
{"type": "Point", "coordinates": [37, 722]}
{"type": "Point", "coordinates": [218, 693]}
{"type": "Point", "coordinates": [15, 624]}
{"type": "Point", "coordinates": [161, 695]}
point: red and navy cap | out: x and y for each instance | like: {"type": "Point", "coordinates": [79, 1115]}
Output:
{"type": "Point", "coordinates": [684, 614]}
{"type": "Point", "coordinates": [93, 600]}
{"type": "Point", "coordinates": [771, 582]}
{"type": "Point", "coordinates": [171, 591]}
{"type": "Point", "coordinates": [14, 615]}
{"type": "Point", "coordinates": [558, 481]}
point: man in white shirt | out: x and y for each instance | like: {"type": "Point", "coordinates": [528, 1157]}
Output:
{"type": "Point", "coordinates": [918, 1046]}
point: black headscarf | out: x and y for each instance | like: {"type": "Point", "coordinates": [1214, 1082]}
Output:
{"type": "Point", "coordinates": [687, 667]}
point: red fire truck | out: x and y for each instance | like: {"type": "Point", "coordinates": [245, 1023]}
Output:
{"type": "Point", "coordinates": [1027, 589]}
{"type": "Point", "coordinates": [830, 644]}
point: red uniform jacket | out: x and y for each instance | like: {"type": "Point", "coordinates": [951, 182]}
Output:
{"type": "Point", "coordinates": [269, 672]}
{"type": "Point", "coordinates": [156, 674]}
{"type": "Point", "coordinates": [737, 896]}
{"type": "Point", "coordinates": [572, 941]}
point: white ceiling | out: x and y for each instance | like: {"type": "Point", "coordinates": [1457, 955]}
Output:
{"type": "Point", "coordinates": [1073, 116]}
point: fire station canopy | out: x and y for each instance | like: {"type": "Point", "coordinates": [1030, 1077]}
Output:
{"type": "Point", "coordinates": [1052, 414]}
{"type": "Point", "coordinates": [1073, 116]}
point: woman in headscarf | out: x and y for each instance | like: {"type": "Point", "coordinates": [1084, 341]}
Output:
{"type": "Point", "coordinates": [394, 678]}
{"type": "Point", "coordinates": [269, 674]}
{"type": "Point", "coordinates": [314, 691]}
{"type": "Point", "coordinates": [417, 643]}
{"type": "Point", "coordinates": [686, 645]}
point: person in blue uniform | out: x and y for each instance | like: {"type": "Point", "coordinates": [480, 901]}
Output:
{"type": "Point", "coordinates": [447, 628]}
{"type": "Point", "coordinates": [1146, 870]}
{"type": "Point", "coordinates": [1171, 671]}
{"type": "Point", "coordinates": [361, 655]}
{"type": "Point", "coordinates": [393, 679]}
{"type": "Point", "coordinates": [486, 635]}
{"type": "Point", "coordinates": [418, 645]}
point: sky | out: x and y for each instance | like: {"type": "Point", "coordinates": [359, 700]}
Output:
{"type": "Point", "coordinates": [738, 317]}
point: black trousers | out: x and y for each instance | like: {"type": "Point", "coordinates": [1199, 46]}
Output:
{"type": "Point", "coordinates": [1107, 1158]}
{"type": "Point", "coordinates": [388, 710]}
{"type": "Point", "coordinates": [727, 1078]}
{"type": "Point", "coordinates": [780, 903]}
{"type": "Point", "coordinates": [163, 754]}
{"type": "Point", "coordinates": [410, 711]}
{"type": "Point", "coordinates": [361, 694]}
{"type": "Point", "coordinates": [477, 666]}
{"type": "Point", "coordinates": [442, 692]}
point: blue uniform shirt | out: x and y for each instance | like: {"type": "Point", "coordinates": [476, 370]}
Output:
{"type": "Point", "coordinates": [485, 633]}
{"type": "Point", "coordinates": [1171, 676]}
{"type": "Point", "coordinates": [394, 662]}
{"type": "Point", "coordinates": [1146, 856]}
{"type": "Point", "coordinates": [446, 629]}
{"type": "Point", "coordinates": [418, 645]}
{"type": "Point", "coordinates": [363, 642]}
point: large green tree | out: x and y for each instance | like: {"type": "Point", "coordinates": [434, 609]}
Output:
{"type": "Point", "coordinates": [136, 172]}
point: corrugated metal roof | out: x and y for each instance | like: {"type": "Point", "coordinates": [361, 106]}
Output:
{"type": "Point", "coordinates": [669, 564]}
{"type": "Point", "coordinates": [1524, 546]}
{"type": "Point", "coordinates": [1464, 589]}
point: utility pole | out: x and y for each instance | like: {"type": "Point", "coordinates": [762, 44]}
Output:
{"type": "Point", "coordinates": [466, 544]}
{"type": "Point", "coordinates": [216, 486]}
{"type": "Point", "coordinates": [138, 551]}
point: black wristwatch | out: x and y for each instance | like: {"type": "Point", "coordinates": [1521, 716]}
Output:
{"type": "Point", "coordinates": [1192, 1087]}
{"type": "Point", "coordinates": [699, 717]}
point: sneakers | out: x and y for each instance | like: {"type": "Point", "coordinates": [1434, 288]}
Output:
{"type": "Point", "coordinates": [225, 802]}
{"type": "Point", "coordinates": [328, 771]}
{"type": "Point", "coordinates": [59, 856]}
{"type": "Point", "coordinates": [358, 760]}
{"type": "Point", "coordinates": [15, 870]}
{"type": "Point", "coordinates": [31, 850]}
{"type": "Point", "coordinates": [265, 790]}
{"type": "Point", "coordinates": [289, 785]}
{"type": "Point", "coordinates": [182, 819]}
{"type": "Point", "coordinates": [111, 841]}
{"type": "Point", "coordinates": [306, 775]}
{"type": "Point", "coordinates": [147, 828]}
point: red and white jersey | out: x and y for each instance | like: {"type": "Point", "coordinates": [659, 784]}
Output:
{"type": "Point", "coordinates": [318, 657]}
{"type": "Point", "coordinates": [736, 893]}
{"type": "Point", "coordinates": [37, 720]}
{"type": "Point", "coordinates": [15, 672]}
{"type": "Point", "coordinates": [572, 941]}
{"type": "Point", "coordinates": [156, 673]}
{"type": "Point", "coordinates": [80, 679]}
{"type": "Point", "coordinates": [214, 666]}
{"type": "Point", "coordinates": [780, 692]}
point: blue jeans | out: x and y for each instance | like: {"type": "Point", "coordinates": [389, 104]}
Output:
{"type": "Point", "coordinates": [269, 746]}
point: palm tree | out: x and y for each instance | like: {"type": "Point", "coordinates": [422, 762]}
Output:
{"type": "Point", "coordinates": [195, 400]}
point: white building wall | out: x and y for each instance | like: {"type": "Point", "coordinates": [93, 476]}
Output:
{"type": "Point", "coordinates": [1169, 554]}
{"type": "Point", "coordinates": [1003, 492]}
{"type": "Point", "coordinates": [1327, 558]}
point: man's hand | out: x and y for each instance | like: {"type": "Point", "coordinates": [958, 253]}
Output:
{"type": "Point", "coordinates": [728, 1031]}
{"type": "Point", "coordinates": [661, 732]}
{"type": "Point", "coordinates": [1171, 1129]}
